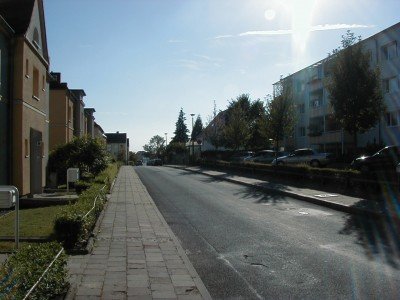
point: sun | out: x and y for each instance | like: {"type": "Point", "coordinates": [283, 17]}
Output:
{"type": "Point", "coordinates": [269, 14]}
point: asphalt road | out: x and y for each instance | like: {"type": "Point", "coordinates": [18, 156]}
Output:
{"type": "Point", "coordinates": [246, 244]}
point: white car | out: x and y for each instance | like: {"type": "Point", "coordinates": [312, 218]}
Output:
{"type": "Point", "coordinates": [305, 156]}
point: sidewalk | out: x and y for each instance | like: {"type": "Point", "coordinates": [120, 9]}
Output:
{"type": "Point", "coordinates": [136, 255]}
{"type": "Point", "coordinates": [332, 200]}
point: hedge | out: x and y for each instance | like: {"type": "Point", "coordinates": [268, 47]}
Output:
{"type": "Point", "coordinates": [25, 266]}
{"type": "Point", "coordinates": [343, 178]}
{"type": "Point", "coordinates": [71, 227]}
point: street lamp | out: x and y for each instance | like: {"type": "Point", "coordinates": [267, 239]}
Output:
{"type": "Point", "coordinates": [192, 139]}
{"type": "Point", "coordinates": [166, 140]}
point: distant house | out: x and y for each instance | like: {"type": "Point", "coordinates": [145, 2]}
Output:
{"type": "Point", "coordinates": [27, 101]}
{"type": "Point", "coordinates": [118, 145]}
{"type": "Point", "coordinates": [212, 130]}
{"type": "Point", "coordinates": [61, 125]}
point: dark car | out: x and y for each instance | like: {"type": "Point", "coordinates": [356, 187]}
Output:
{"type": "Point", "coordinates": [139, 163]}
{"type": "Point", "coordinates": [157, 162]}
{"type": "Point", "coordinates": [385, 159]}
{"type": "Point", "coordinates": [265, 156]}
{"type": "Point", "coordinates": [241, 156]}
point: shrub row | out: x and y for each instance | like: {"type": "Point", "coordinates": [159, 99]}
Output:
{"type": "Point", "coordinates": [71, 226]}
{"type": "Point", "coordinates": [25, 266]}
{"type": "Point", "coordinates": [339, 177]}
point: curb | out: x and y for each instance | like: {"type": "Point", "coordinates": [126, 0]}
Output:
{"type": "Point", "coordinates": [298, 196]}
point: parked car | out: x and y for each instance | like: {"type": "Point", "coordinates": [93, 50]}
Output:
{"type": "Point", "coordinates": [305, 156]}
{"type": "Point", "coordinates": [154, 162]}
{"type": "Point", "coordinates": [385, 159]}
{"type": "Point", "coordinates": [139, 163]}
{"type": "Point", "coordinates": [241, 156]}
{"type": "Point", "coordinates": [265, 156]}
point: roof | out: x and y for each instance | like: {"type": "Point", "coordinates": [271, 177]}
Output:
{"type": "Point", "coordinates": [17, 13]}
{"type": "Point", "coordinates": [115, 138]}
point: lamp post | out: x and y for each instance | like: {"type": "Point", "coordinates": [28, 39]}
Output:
{"type": "Point", "coordinates": [166, 140]}
{"type": "Point", "coordinates": [192, 115]}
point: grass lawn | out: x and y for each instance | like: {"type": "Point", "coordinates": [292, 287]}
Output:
{"type": "Point", "coordinates": [33, 222]}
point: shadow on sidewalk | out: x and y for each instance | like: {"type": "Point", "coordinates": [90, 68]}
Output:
{"type": "Point", "coordinates": [379, 235]}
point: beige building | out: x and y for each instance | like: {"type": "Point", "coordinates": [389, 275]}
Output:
{"type": "Point", "coordinates": [29, 94]}
{"type": "Point", "coordinates": [61, 127]}
{"type": "Point", "coordinates": [89, 121]}
{"type": "Point", "coordinates": [99, 132]}
{"type": "Point", "coordinates": [79, 113]}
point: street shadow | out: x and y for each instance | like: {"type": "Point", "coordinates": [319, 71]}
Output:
{"type": "Point", "coordinates": [259, 196]}
{"type": "Point", "coordinates": [378, 235]}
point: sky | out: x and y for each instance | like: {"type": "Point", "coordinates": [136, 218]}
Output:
{"type": "Point", "coordinates": [141, 61]}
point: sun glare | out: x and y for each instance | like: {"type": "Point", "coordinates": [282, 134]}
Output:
{"type": "Point", "coordinates": [302, 12]}
{"type": "Point", "coordinates": [269, 14]}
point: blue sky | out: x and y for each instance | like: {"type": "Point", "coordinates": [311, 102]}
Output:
{"type": "Point", "coordinates": [140, 61]}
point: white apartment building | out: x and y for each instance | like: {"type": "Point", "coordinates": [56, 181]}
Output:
{"type": "Point", "coordinates": [316, 127]}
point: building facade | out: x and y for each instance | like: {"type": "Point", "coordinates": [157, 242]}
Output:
{"type": "Point", "coordinates": [61, 129]}
{"type": "Point", "coordinates": [316, 127]}
{"type": "Point", "coordinates": [29, 94]}
{"type": "Point", "coordinates": [89, 122]}
{"type": "Point", "coordinates": [79, 113]}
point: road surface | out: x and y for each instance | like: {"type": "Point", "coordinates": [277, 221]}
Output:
{"type": "Point", "coordinates": [246, 244]}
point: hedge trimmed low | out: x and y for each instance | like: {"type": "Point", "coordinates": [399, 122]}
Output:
{"type": "Point", "coordinates": [71, 227]}
{"type": "Point", "coordinates": [23, 268]}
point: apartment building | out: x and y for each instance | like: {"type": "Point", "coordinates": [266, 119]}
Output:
{"type": "Point", "coordinates": [99, 132]}
{"type": "Point", "coordinates": [29, 93]}
{"type": "Point", "coordinates": [316, 127]}
{"type": "Point", "coordinates": [61, 128]}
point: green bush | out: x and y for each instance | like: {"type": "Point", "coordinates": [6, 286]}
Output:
{"type": "Point", "coordinates": [72, 229]}
{"type": "Point", "coordinates": [81, 186]}
{"type": "Point", "coordinates": [23, 268]}
{"type": "Point", "coordinates": [87, 154]}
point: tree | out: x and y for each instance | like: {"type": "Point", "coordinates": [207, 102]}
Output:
{"type": "Point", "coordinates": [214, 131]}
{"type": "Point", "coordinates": [197, 128]}
{"type": "Point", "coordinates": [280, 112]}
{"type": "Point", "coordinates": [181, 131]}
{"type": "Point", "coordinates": [254, 114]}
{"type": "Point", "coordinates": [155, 145]}
{"type": "Point", "coordinates": [237, 130]}
{"type": "Point", "coordinates": [354, 87]}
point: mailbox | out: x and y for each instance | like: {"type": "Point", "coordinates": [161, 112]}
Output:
{"type": "Point", "coordinates": [72, 174]}
{"type": "Point", "coordinates": [7, 197]}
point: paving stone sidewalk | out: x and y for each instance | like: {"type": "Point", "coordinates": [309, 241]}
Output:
{"type": "Point", "coordinates": [136, 255]}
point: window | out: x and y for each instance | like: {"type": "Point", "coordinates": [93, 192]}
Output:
{"type": "Point", "coordinates": [393, 118]}
{"type": "Point", "coordinates": [314, 103]}
{"type": "Point", "coordinates": [331, 124]}
{"type": "Point", "coordinates": [390, 85]}
{"type": "Point", "coordinates": [302, 131]}
{"type": "Point", "coordinates": [390, 51]}
{"type": "Point", "coordinates": [43, 83]}
{"type": "Point", "coordinates": [35, 83]}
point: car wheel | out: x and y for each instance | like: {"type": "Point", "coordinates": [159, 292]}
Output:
{"type": "Point", "coordinates": [315, 163]}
